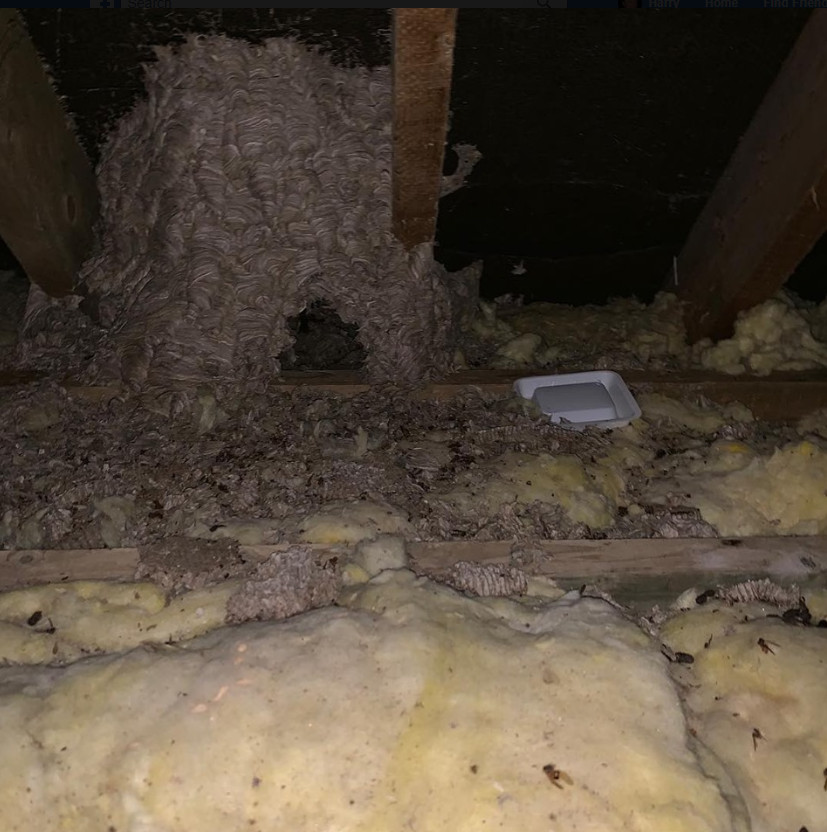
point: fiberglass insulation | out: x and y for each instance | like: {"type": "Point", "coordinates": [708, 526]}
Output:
{"type": "Point", "coordinates": [408, 707]}
{"type": "Point", "coordinates": [251, 181]}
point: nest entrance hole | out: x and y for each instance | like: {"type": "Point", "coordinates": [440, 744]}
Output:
{"type": "Point", "coordinates": [322, 340]}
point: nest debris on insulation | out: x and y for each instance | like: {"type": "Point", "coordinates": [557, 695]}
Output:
{"type": "Point", "coordinates": [287, 584]}
{"type": "Point", "coordinates": [252, 181]}
{"type": "Point", "coordinates": [487, 580]}
{"type": "Point", "coordinates": [278, 457]}
{"type": "Point", "coordinates": [763, 591]}
{"type": "Point", "coordinates": [178, 564]}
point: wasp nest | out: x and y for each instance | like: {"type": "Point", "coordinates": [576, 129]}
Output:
{"type": "Point", "coordinates": [250, 182]}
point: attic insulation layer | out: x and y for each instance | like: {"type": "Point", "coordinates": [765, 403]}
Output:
{"type": "Point", "coordinates": [754, 697]}
{"type": "Point", "coordinates": [251, 182]}
{"type": "Point", "coordinates": [318, 467]}
{"type": "Point", "coordinates": [781, 334]}
{"type": "Point", "coordinates": [773, 336]}
{"type": "Point", "coordinates": [742, 493]}
{"type": "Point", "coordinates": [413, 705]}
{"type": "Point", "coordinates": [404, 707]}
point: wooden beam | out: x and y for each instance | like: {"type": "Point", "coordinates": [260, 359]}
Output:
{"type": "Point", "coordinates": [645, 571]}
{"type": "Point", "coordinates": [641, 570]}
{"type": "Point", "coordinates": [770, 206]}
{"type": "Point", "coordinates": [423, 52]}
{"type": "Point", "coordinates": [48, 196]}
{"type": "Point", "coordinates": [780, 397]}
{"type": "Point", "coordinates": [11, 378]}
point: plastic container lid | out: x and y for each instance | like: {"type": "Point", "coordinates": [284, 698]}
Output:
{"type": "Point", "coordinates": [600, 398]}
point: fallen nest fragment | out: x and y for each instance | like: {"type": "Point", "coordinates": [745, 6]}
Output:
{"type": "Point", "coordinates": [178, 564]}
{"type": "Point", "coordinates": [288, 583]}
{"type": "Point", "coordinates": [763, 591]}
{"type": "Point", "coordinates": [486, 579]}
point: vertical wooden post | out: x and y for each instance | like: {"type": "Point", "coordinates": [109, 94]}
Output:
{"type": "Point", "coordinates": [770, 205]}
{"type": "Point", "coordinates": [423, 52]}
{"type": "Point", "coordinates": [48, 197]}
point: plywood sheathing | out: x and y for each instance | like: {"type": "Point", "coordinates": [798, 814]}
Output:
{"type": "Point", "coordinates": [81, 52]}
{"type": "Point", "coordinates": [423, 50]}
{"type": "Point", "coordinates": [48, 198]}
{"type": "Point", "coordinates": [769, 207]}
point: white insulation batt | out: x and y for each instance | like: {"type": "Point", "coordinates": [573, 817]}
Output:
{"type": "Point", "coordinates": [251, 181]}
{"type": "Point", "coordinates": [408, 707]}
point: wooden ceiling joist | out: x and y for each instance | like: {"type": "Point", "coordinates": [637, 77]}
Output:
{"type": "Point", "coordinates": [780, 397]}
{"type": "Point", "coordinates": [770, 206]}
{"type": "Point", "coordinates": [48, 196]}
{"type": "Point", "coordinates": [423, 53]}
{"type": "Point", "coordinates": [642, 570]}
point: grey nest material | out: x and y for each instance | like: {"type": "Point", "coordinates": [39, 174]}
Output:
{"type": "Point", "coordinates": [178, 564]}
{"type": "Point", "coordinates": [487, 580]}
{"type": "Point", "coordinates": [287, 584]}
{"type": "Point", "coordinates": [252, 181]}
{"type": "Point", "coordinates": [763, 591]}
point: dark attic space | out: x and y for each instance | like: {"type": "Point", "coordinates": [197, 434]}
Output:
{"type": "Point", "coordinates": [413, 419]}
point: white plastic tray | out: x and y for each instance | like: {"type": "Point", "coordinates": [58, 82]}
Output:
{"type": "Point", "coordinates": [600, 398]}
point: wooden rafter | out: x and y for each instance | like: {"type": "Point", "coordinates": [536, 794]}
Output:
{"type": "Point", "coordinates": [48, 197]}
{"type": "Point", "coordinates": [770, 206]}
{"type": "Point", "coordinates": [423, 51]}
